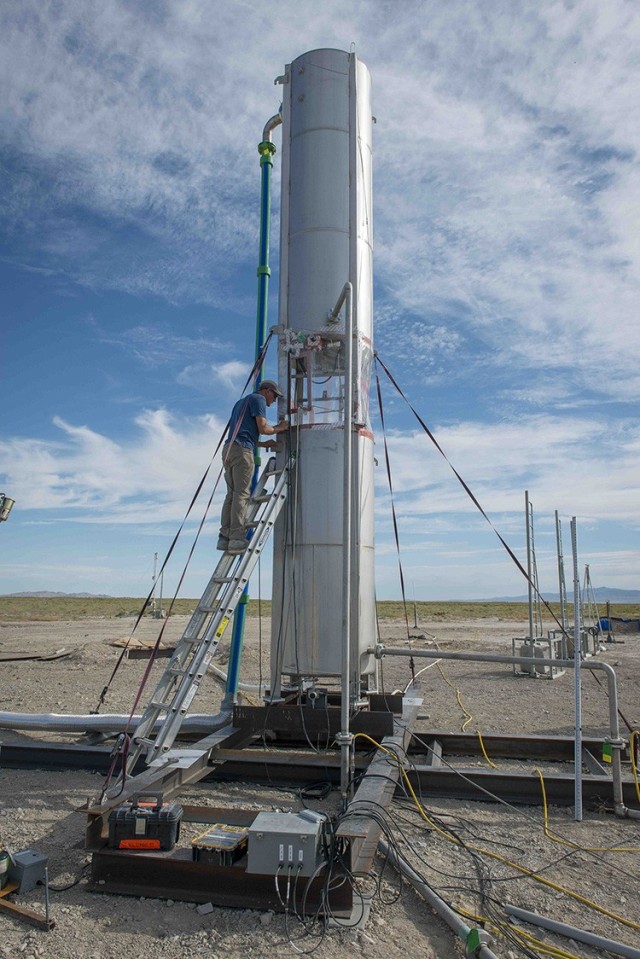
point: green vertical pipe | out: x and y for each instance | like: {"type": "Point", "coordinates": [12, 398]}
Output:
{"type": "Point", "coordinates": [266, 149]}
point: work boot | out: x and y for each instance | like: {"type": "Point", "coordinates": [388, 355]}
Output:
{"type": "Point", "coordinates": [237, 546]}
{"type": "Point", "coordinates": [223, 544]}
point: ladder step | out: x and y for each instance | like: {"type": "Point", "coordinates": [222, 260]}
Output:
{"type": "Point", "coordinates": [178, 670]}
{"type": "Point", "coordinates": [180, 682]}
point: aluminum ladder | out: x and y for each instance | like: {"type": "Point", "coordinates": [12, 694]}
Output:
{"type": "Point", "coordinates": [197, 647]}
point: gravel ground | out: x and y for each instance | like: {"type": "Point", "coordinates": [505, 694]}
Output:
{"type": "Point", "coordinates": [40, 810]}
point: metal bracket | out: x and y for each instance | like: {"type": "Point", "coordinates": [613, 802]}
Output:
{"type": "Point", "coordinates": [344, 739]}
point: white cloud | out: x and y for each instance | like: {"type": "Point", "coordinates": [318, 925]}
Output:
{"type": "Point", "coordinates": [576, 466]}
{"type": "Point", "coordinates": [149, 477]}
{"type": "Point", "coordinates": [157, 346]}
{"type": "Point", "coordinates": [507, 248]}
{"type": "Point", "coordinates": [228, 377]}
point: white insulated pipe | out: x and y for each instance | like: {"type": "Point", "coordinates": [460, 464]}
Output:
{"type": "Point", "coordinates": [455, 922]}
{"type": "Point", "coordinates": [580, 935]}
{"type": "Point", "coordinates": [96, 722]}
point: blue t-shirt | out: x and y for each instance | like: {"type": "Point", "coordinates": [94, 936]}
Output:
{"type": "Point", "coordinates": [245, 411]}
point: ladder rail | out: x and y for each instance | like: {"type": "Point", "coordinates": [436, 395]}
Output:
{"type": "Point", "coordinates": [187, 667]}
{"type": "Point", "coordinates": [208, 646]}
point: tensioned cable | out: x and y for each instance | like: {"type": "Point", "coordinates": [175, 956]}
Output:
{"type": "Point", "coordinates": [194, 498]}
{"type": "Point", "coordinates": [124, 740]}
{"type": "Point", "coordinates": [478, 505]}
{"type": "Point", "coordinates": [467, 490]}
{"type": "Point", "coordinates": [393, 513]}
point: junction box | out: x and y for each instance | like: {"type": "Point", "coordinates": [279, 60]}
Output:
{"type": "Point", "coordinates": [282, 843]}
{"type": "Point", "coordinates": [28, 869]}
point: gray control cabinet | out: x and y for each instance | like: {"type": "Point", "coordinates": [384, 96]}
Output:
{"type": "Point", "coordinates": [286, 843]}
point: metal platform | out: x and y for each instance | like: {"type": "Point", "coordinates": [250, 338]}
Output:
{"type": "Point", "coordinates": [175, 875]}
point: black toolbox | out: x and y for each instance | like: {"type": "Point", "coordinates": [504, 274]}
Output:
{"type": "Point", "coordinates": [140, 824]}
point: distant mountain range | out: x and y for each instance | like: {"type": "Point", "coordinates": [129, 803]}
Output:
{"type": "Point", "coordinates": [603, 594]}
{"type": "Point", "coordinates": [45, 594]}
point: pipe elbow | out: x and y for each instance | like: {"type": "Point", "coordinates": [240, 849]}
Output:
{"type": "Point", "coordinates": [270, 126]}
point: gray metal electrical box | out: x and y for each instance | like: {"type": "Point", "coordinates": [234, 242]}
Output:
{"type": "Point", "coordinates": [28, 869]}
{"type": "Point", "coordinates": [286, 843]}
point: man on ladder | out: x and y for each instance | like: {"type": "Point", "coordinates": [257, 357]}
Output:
{"type": "Point", "coordinates": [248, 422]}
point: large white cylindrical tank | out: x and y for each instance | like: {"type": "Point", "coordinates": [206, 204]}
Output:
{"type": "Point", "coordinates": [325, 242]}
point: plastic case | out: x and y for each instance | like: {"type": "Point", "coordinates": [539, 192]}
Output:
{"type": "Point", "coordinates": [221, 844]}
{"type": "Point", "coordinates": [140, 824]}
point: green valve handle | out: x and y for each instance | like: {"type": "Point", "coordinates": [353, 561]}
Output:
{"type": "Point", "coordinates": [475, 940]}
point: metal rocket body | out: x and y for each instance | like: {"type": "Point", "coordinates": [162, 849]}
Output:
{"type": "Point", "coordinates": [325, 243]}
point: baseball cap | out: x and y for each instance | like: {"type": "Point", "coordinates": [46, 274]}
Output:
{"type": "Point", "coordinates": [271, 385]}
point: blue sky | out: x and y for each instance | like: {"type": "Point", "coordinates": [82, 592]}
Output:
{"type": "Point", "coordinates": [507, 265]}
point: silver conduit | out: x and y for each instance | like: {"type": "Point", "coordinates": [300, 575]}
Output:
{"type": "Point", "coordinates": [580, 935]}
{"type": "Point", "coordinates": [452, 919]}
{"type": "Point", "coordinates": [100, 722]}
{"type": "Point", "coordinates": [615, 740]}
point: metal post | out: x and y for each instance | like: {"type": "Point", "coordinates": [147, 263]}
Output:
{"type": "Point", "coordinates": [562, 586]}
{"type": "Point", "coordinates": [46, 894]}
{"type": "Point", "coordinates": [577, 656]}
{"type": "Point", "coordinates": [154, 604]}
{"type": "Point", "coordinates": [346, 738]}
{"type": "Point", "coordinates": [527, 507]}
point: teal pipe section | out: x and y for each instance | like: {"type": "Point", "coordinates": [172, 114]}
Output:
{"type": "Point", "coordinates": [266, 149]}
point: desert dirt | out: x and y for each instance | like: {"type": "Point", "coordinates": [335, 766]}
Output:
{"type": "Point", "coordinates": [40, 809]}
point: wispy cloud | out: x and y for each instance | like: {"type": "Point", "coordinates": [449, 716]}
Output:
{"type": "Point", "coordinates": [228, 377]}
{"type": "Point", "coordinates": [572, 465]}
{"type": "Point", "coordinates": [157, 346]}
{"type": "Point", "coordinates": [89, 477]}
{"type": "Point", "coordinates": [507, 251]}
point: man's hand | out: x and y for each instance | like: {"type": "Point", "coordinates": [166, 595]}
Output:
{"type": "Point", "coordinates": [271, 445]}
{"type": "Point", "coordinates": [264, 429]}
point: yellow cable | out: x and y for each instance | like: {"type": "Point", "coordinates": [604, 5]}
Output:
{"type": "Point", "coordinates": [494, 855]}
{"type": "Point", "coordinates": [499, 925]}
{"type": "Point", "coordinates": [569, 842]}
{"type": "Point", "coordinates": [484, 751]}
{"type": "Point", "coordinates": [458, 698]}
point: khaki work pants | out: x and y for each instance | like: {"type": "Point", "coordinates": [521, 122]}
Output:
{"type": "Point", "coordinates": [238, 473]}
